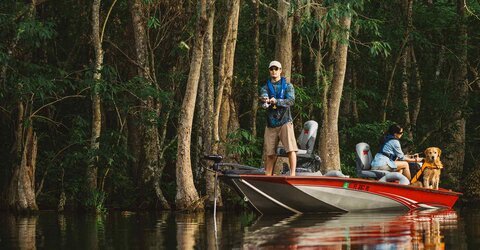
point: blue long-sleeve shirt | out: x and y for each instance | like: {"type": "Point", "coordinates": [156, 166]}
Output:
{"type": "Point", "coordinates": [391, 147]}
{"type": "Point", "coordinates": [280, 115]}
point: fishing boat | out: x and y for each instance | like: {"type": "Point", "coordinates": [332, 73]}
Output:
{"type": "Point", "coordinates": [314, 194]}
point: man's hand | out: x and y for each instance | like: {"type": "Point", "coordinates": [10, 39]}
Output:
{"type": "Point", "coordinates": [416, 158]}
{"type": "Point", "coordinates": [272, 100]}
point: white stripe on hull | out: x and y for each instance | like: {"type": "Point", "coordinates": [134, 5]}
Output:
{"type": "Point", "coordinates": [269, 197]}
{"type": "Point", "coordinates": [351, 200]}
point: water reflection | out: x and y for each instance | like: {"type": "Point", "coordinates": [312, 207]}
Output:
{"type": "Point", "coordinates": [188, 227]}
{"type": "Point", "coordinates": [22, 231]}
{"type": "Point", "coordinates": [435, 229]}
{"type": "Point", "coordinates": [414, 230]}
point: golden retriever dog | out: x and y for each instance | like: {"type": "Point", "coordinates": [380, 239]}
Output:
{"type": "Point", "coordinates": [431, 174]}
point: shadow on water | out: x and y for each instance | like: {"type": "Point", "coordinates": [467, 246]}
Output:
{"type": "Point", "coordinates": [428, 229]}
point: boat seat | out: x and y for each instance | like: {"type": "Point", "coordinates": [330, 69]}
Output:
{"type": "Point", "coordinates": [363, 160]}
{"type": "Point", "coordinates": [306, 157]}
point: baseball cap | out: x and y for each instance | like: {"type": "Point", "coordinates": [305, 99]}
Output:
{"type": "Point", "coordinates": [275, 64]}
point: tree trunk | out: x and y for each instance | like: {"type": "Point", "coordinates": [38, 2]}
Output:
{"type": "Point", "coordinates": [297, 64]}
{"type": "Point", "coordinates": [406, 71]}
{"type": "Point", "coordinates": [135, 141]}
{"type": "Point", "coordinates": [404, 91]}
{"type": "Point", "coordinates": [224, 119]}
{"type": "Point", "coordinates": [21, 191]}
{"type": "Point", "coordinates": [283, 45]}
{"type": "Point", "coordinates": [149, 162]}
{"type": "Point", "coordinates": [418, 95]}
{"type": "Point", "coordinates": [256, 61]}
{"type": "Point", "coordinates": [231, 115]}
{"type": "Point", "coordinates": [207, 81]}
{"type": "Point", "coordinates": [346, 104]}
{"type": "Point", "coordinates": [187, 197]}
{"type": "Point", "coordinates": [329, 142]}
{"type": "Point", "coordinates": [455, 135]}
{"type": "Point", "coordinates": [225, 77]}
{"type": "Point", "coordinates": [92, 168]}
{"type": "Point", "coordinates": [471, 189]}
{"type": "Point", "coordinates": [319, 66]}
{"type": "Point", "coordinates": [198, 135]}
{"type": "Point", "coordinates": [21, 195]}
{"type": "Point", "coordinates": [355, 115]}
{"type": "Point", "coordinates": [220, 88]}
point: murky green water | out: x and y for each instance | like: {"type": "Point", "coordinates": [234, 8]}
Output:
{"type": "Point", "coordinates": [447, 229]}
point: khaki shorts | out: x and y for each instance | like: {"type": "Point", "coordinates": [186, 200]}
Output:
{"type": "Point", "coordinates": [285, 134]}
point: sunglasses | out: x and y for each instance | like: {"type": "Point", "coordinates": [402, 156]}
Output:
{"type": "Point", "coordinates": [273, 69]}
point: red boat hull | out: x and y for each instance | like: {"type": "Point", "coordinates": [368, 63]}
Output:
{"type": "Point", "coordinates": [310, 194]}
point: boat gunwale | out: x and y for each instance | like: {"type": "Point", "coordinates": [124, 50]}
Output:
{"type": "Point", "coordinates": [375, 182]}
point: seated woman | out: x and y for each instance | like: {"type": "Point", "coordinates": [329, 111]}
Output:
{"type": "Point", "coordinates": [391, 156]}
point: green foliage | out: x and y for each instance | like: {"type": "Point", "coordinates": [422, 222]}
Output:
{"type": "Point", "coordinates": [247, 147]}
{"type": "Point", "coordinates": [113, 151]}
{"type": "Point", "coordinates": [306, 98]}
{"type": "Point", "coordinates": [153, 23]}
{"type": "Point", "coordinates": [36, 32]}
{"type": "Point", "coordinates": [367, 132]}
{"type": "Point", "coordinates": [346, 165]}
{"type": "Point", "coordinates": [380, 48]}
{"type": "Point", "coordinates": [113, 158]}
{"type": "Point", "coordinates": [95, 201]}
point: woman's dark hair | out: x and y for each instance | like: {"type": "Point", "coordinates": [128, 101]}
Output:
{"type": "Point", "coordinates": [394, 129]}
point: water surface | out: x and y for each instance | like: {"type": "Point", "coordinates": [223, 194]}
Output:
{"type": "Point", "coordinates": [435, 229]}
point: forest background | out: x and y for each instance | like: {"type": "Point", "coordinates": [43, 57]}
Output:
{"type": "Point", "coordinates": [112, 104]}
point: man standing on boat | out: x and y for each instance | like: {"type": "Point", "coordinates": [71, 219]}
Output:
{"type": "Point", "coordinates": [277, 96]}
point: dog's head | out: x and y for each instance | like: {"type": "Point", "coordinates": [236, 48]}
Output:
{"type": "Point", "coordinates": [432, 155]}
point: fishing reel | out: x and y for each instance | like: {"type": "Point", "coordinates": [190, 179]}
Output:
{"type": "Point", "coordinates": [265, 102]}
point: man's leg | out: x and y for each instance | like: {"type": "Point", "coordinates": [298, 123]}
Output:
{"type": "Point", "coordinates": [287, 136]}
{"type": "Point", "coordinates": [270, 145]}
{"type": "Point", "coordinates": [270, 164]}
{"type": "Point", "coordinates": [292, 160]}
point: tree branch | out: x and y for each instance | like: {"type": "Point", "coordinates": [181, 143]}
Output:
{"type": "Point", "coordinates": [106, 19]}
{"type": "Point", "coordinates": [51, 103]}
{"type": "Point", "coordinates": [267, 7]}
{"type": "Point", "coordinates": [124, 54]}
{"type": "Point", "coordinates": [48, 119]}
{"type": "Point", "coordinates": [470, 11]}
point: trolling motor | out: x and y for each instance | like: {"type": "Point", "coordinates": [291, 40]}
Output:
{"type": "Point", "coordinates": [229, 167]}
{"type": "Point", "coordinates": [216, 159]}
